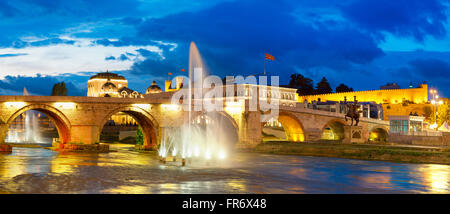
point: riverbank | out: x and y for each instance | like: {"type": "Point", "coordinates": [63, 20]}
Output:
{"type": "Point", "coordinates": [405, 154]}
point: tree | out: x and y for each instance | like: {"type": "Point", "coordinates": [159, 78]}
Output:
{"type": "Point", "coordinates": [323, 87]}
{"type": "Point", "coordinates": [303, 85]}
{"type": "Point", "coordinates": [343, 88]}
{"type": "Point", "coordinates": [139, 137]}
{"type": "Point", "coordinates": [59, 89]}
{"type": "Point", "coordinates": [443, 114]}
{"type": "Point", "coordinates": [428, 112]}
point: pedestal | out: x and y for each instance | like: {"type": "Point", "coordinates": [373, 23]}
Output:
{"type": "Point", "coordinates": [353, 134]}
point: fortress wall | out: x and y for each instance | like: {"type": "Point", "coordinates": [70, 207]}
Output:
{"type": "Point", "coordinates": [400, 109]}
{"type": "Point", "coordinates": [416, 95]}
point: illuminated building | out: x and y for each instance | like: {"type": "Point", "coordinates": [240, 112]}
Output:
{"type": "Point", "coordinates": [394, 101]}
{"type": "Point", "coordinates": [408, 125]}
{"type": "Point", "coordinates": [153, 89]}
{"type": "Point", "coordinates": [178, 84]}
{"type": "Point", "coordinates": [417, 95]}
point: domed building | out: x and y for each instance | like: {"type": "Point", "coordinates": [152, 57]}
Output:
{"type": "Point", "coordinates": [153, 89]}
{"type": "Point", "coordinates": [109, 90]}
{"type": "Point", "coordinates": [98, 87]}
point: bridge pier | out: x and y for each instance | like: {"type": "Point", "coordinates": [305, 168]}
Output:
{"type": "Point", "coordinates": [3, 146]}
{"type": "Point", "coordinates": [86, 134]}
{"type": "Point", "coordinates": [312, 134]}
{"type": "Point", "coordinates": [3, 132]}
{"type": "Point", "coordinates": [250, 130]}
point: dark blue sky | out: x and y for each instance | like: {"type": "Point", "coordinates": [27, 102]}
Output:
{"type": "Point", "coordinates": [362, 43]}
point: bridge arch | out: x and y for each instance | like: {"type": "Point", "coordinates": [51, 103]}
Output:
{"type": "Point", "coordinates": [61, 122]}
{"type": "Point", "coordinates": [145, 120]}
{"type": "Point", "coordinates": [292, 126]}
{"type": "Point", "coordinates": [333, 130]}
{"type": "Point", "coordinates": [226, 123]}
{"type": "Point", "coordinates": [378, 134]}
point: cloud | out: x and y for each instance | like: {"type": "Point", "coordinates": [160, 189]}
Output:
{"type": "Point", "coordinates": [233, 37]}
{"type": "Point", "coordinates": [38, 85]}
{"type": "Point", "coordinates": [59, 58]}
{"type": "Point", "coordinates": [431, 68]}
{"type": "Point", "coordinates": [410, 18]}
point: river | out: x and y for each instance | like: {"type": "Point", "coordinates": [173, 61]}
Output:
{"type": "Point", "coordinates": [37, 170]}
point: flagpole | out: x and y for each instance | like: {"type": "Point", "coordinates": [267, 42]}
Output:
{"type": "Point", "coordinates": [264, 66]}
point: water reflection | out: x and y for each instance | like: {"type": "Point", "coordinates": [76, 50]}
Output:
{"type": "Point", "coordinates": [36, 170]}
{"type": "Point", "coordinates": [436, 177]}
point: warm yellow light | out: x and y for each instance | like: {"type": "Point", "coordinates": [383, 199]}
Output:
{"type": "Point", "coordinates": [437, 96]}
{"type": "Point", "coordinates": [433, 126]}
{"type": "Point", "coordinates": [15, 104]}
{"type": "Point", "coordinates": [440, 102]}
{"type": "Point", "coordinates": [64, 105]}
{"type": "Point", "coordinates": [433, 102]}
{"type": "Point", "coordinates": [233, 110]}
{"type": "Point", "coordinates": [170, 107]}
{"type": "Point", "coordinates": [222, 155]}
{"type": "Point", "coordinates": [233, 107]}
{"type": "Point", "coordinates": [143, 106]}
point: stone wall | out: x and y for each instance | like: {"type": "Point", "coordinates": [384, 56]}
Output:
{"type": "Point", "coordinates": [416, 95]}
{"type": "Point", "coordinates": [443, 140]}
{"type": "Point", "coordinates": [404, 109]}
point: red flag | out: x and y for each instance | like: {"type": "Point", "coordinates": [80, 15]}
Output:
{"type": "Point", "coordinates": [269, 57]}
{"type": "Point", "coordinates": [182, 69]}
{"type": "Point", "coordinates": [170, 73]}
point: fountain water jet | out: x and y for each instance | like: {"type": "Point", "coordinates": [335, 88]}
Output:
{"type": "Point", "coordinates": [202, 137]}
{"type": "Point", "coordinates": [28, 130]}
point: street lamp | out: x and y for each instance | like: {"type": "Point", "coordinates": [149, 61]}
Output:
{"type": "Point", "coordinates": [435, 102]}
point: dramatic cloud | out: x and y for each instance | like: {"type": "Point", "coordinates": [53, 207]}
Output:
{"type": "Point", "coordinates": [431, 68]}
{"type": "Point", "coordinates": [233, 36]}
{"type": "Point", "coordinates": [38, 85]}
{"type": "Point", "coordinates": [77, 56]}
{"type": "Point", "coordinates": [414, 18]}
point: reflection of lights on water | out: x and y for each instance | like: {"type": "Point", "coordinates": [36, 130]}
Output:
{"type": "Point", "coordinates": [438, 177]}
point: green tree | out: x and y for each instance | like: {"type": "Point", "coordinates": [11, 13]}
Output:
{"type": "Point", "coordinates": [303, 85]}
{"type": "Point", "coordinates": [428, 112]}
{"type": "Point", "coordinates": [343, 88]}
{"type": "Point", "coordinates": [443, 114]}
{"type": "Point", "coordinates": [59, 89]}
{"type": "Point", "coordinates": [323, 87]}
{"type": "Point", "coordinates": [139, 136]}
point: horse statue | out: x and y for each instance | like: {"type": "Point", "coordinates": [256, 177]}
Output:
{"type": "Point", "coordinates": [353, 113]}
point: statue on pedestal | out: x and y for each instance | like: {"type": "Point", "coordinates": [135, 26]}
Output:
{"type": "Point", "coordinates": [352, 111]}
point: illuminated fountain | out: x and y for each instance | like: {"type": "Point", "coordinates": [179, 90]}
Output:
{"type": "Point", "coordinates": [26, 128]}
{"type": "Point", "coordinates": [202, 137]}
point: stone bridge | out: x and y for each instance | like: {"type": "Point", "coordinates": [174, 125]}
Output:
{"type": "Point", "coordinates": [81, 119]}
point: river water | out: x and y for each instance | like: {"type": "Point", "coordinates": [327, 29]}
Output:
{"type": "Point", "coordinates": [37, 170]}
